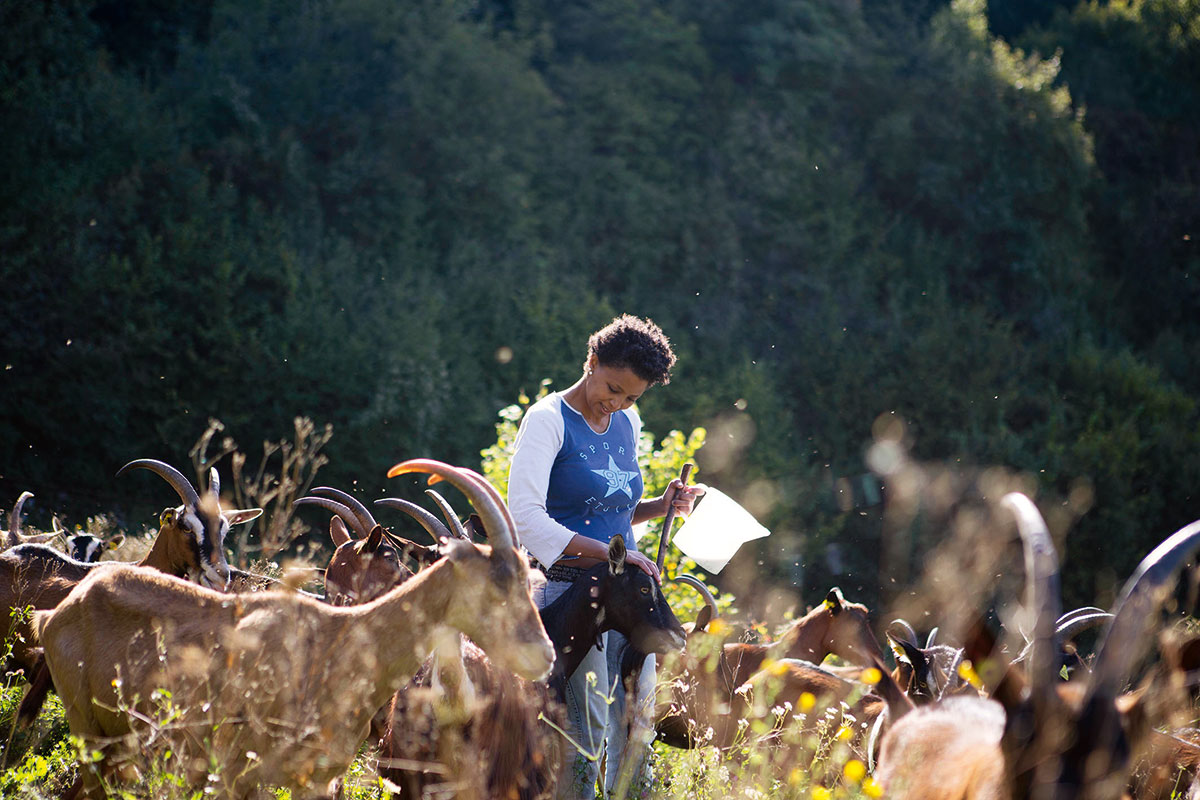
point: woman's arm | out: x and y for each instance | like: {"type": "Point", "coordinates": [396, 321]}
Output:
{"type": "Point", "coordinates": [538, 440]}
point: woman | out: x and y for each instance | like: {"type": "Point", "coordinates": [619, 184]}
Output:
{"type": "Point", "coordinates": [574, 483]}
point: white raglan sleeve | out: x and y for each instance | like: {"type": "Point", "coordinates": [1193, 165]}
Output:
{"type": "Point", "coordinates": [538, 441]}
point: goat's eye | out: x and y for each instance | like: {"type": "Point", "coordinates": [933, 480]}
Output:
{"type": "Point", "coordinates": [645, 590]}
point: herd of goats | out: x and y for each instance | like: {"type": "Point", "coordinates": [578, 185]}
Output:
{"type": "Point", "coordinates": [438, 659]}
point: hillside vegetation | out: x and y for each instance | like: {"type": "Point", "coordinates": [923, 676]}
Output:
{"type": "Point", "coordinates": [392, 218]}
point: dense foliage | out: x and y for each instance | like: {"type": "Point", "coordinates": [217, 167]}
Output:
{"type": "Point", "coordinates": [392, 217]}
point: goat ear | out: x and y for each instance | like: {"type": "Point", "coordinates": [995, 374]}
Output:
{"type": "Point", "coordinates": [239, 515]}
{"type": "Point", "coordinates": [616, 555]}
{"type": "Point", "coordinates": [913, 654]}
{"type": "Point", "coordinates": [338, 532]}
{"type": "Point", "coordinates": [374, 539]}
{"type": "Point", "coordinates": [115, 541]}
{"type": "Point", "coordinates": [834, 600]}
{"type": "Point", "coordinates": [703, 618]}
{"type": "Point", "coordinates": [474, 527]}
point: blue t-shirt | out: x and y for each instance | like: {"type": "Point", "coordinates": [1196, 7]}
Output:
{"type": "Point", "coordinates": [595, 483]}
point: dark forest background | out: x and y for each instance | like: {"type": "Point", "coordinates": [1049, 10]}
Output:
{"type": "Point", "coordinates": [982, 220]}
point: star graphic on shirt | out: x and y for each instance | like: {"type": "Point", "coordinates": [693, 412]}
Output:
{"type": "Point", "coordinates": [618, 479]}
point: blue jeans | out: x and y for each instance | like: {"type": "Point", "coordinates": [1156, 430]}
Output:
{"type": "Point", "coordinates": [597, 719]}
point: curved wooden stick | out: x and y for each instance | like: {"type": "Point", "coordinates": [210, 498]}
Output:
{"type": "Point", "coordinates": [669, 519]}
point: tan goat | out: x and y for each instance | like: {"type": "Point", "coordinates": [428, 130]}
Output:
{"type": "Point", "coordinates": [275, 688]}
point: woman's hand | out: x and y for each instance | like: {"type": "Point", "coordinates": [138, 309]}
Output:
{"type": "Point", "coordinates": [643, 563]}
{"type": "Point", "coordinates": [684, 496]}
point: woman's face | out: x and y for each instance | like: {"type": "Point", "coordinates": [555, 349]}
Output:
{"type": "Point", "coordinates": [611, 389]}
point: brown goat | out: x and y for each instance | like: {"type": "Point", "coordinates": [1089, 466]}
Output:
{"type": "Point", "coordinates": [189, 544]}
{"type": "Point", "coordinates": [1038, 737]}
{"type": "Point", "coordinates": [703, 683]}
{"type": "Point", "coordinates": [251, 675]}
{"type": "Point", "coordinates": [362, 567]}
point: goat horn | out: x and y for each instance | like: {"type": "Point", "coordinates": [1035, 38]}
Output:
{"type": "Point", "coordinates": [366, 520]}
{"type": "Point", "coordinates": [14, 519]}
{"type": "Point", "coordinates": [448, 512]}
{"type": "Point", "coordinates": [428, 521]}
{"type": "Point", "coordinates": [214, 482]}
{"type": "Point", "coordinates": [1042, 591]}
{"type": "Point", "coordinates": [906, 628]}
{"type": "Point", "coordinates": [187, 492]}
{"type": "Point", "coordinates": [1080, 623]}
{"type": "Point", "coordinates": [1141, 596]}
{"type": "Point", "coordinates": [1070, 615]}
{"type": "Point", "coordinates": [345, 512]}
{"type": "Point", "coordinates": [931, 640]}
{"type": "Point", "coordinates": [698, 585]}
{"type": "Point", "coordinates": [497, 522]}
{"type": "Point", "coordinates": [494, 493]}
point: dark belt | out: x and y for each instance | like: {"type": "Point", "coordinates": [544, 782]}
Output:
{"type": "Point", "coordinates": [560, 572]}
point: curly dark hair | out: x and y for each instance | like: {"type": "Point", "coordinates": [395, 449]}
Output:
{"type": "Point", "coordinates": [636, 343]}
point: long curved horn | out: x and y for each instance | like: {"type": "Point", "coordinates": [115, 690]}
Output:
{"type": "Point", "coordinates": [366, 520]}
{"type": "Point", "coordinates": [698, 585]}
{"type": "Point", "coordinates": [448, 512]}
{"type": "Point", "coordinates": [347, 515]}
{"type": "Point", "coordinates": [494, 493]}
{"type": "Point", "coordinates": [14, 519]}
{"type": "Point", "coordinates": [187, 492]}
{"type": "Point", "coordinates": [906, 628]}
{"type": "Point", "coordinates": [1072, 614]}
{"type": "Point", "coordinates": [1042, 589]}
{"type": "Point", "coordinates": [1141, 596]}
{"type": "Point", "coordinates": [1070, 625]}
{"type": "Point", "coordinates": [1079, 623]}
{"type": "Point", "coordinates": [428, 521]}
{"type": "Point", "coordinates": [496, 519]}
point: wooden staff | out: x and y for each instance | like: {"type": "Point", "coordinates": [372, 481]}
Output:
{"type": "Point", "coordinates": [669, 520]}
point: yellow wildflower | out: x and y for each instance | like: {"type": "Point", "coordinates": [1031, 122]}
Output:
{"type": "Point", "coordinates": [966, 671]}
